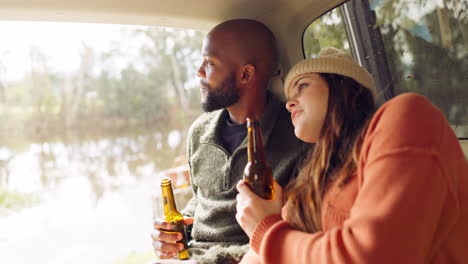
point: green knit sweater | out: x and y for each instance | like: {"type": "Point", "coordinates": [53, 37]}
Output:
{"type": "Point", "coordinates": [214, 174]}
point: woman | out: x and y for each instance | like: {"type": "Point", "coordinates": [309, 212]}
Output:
{"type": "Point", "coordinates": [383, 187]}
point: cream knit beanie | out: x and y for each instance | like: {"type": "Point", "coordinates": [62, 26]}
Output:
{"type": "Point", "coordinates": [331, 60]}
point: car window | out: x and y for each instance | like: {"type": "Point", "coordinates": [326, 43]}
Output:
{"type": "Point", "coordinates": [326, 31]}
{"type": "Point", "coordinates": [426, 44]}
{"type": "Point", "coordinates": [91, 115]}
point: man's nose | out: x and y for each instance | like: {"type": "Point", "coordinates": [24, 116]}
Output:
{"type": "Point", "coordinates": [201, 72]}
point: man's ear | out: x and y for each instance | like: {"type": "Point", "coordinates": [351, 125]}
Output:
{"type": "Point", "coordinates": [247, 73]}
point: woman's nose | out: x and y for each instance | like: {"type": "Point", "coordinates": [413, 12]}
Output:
{"type": "Point", "coordinates": [290, 104]}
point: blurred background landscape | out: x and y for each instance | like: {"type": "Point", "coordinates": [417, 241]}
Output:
{"type": "Point", "coordinates": [90, 115]}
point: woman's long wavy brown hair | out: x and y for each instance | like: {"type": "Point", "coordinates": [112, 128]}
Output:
{"type": "Point", "coordinates": [335, 154]}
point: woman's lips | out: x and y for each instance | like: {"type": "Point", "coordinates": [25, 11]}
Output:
{"type": "Point", "coordinates": [295, 114]}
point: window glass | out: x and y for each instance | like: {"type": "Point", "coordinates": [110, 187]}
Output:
{"type": "Point", "coordinates": [426, 43]}
{"type": "Point", "coordinates": [326, 31]}
{"type": "Point", "coordinates": [91, 115]}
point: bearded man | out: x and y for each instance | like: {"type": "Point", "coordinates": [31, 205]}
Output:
{"type": "Point", "coordinates": [239, 59]}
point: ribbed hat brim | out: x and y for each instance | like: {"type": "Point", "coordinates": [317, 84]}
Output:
{"type": "Point", "coordinates": [336, 65]}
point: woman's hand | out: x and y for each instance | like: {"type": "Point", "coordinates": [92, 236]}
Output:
{"type": "Point", "coordinates": [252, 209]}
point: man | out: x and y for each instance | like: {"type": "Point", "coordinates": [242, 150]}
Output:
{"type": "Point", "coordinates": [239, 59]}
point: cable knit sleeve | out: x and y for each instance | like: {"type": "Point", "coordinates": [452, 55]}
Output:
{"type": "Point", "coordinates": [401, 198]}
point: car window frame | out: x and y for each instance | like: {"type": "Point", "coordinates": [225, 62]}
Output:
{"type": "Point", "coordinates": [366, 44]}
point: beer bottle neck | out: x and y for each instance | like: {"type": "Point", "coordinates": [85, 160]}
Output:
{"type": "Point", "coordinates": [168, 199]}
{"type": "Point", "coordinates": [255, 143]}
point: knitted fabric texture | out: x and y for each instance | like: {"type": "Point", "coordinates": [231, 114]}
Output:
{"type": "Point", "coordinates": [215, 172]}
{"type": "Point", "coordinates": [331, 60]}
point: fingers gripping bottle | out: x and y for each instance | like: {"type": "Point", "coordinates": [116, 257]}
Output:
{"type": "Point", "coordinates": [173, 216]}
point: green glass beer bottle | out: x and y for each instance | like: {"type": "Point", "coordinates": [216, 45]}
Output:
{"type": "Point", "coordinates": [257, 172]}
{"type": "Point", "coordinates": [173, 216]}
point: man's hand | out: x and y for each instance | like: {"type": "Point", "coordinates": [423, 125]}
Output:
{"type": "Point", "coordinates": [164, 242]}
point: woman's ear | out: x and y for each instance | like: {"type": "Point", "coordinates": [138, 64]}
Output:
{"type": "Point", "coordinates": [247, 73]}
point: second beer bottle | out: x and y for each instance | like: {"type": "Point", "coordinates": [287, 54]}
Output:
{"type": "Point", "coordinates": [173, 216]}
{"type": "Point", "coordinates": [257, 172]}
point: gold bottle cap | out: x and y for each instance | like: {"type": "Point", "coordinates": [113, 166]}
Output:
{"type": "Point", "coordinates": [252, 121]}
{"type": "Point", "coordinates": [165, 181]}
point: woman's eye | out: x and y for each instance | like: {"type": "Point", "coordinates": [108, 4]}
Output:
{"type": "Point", "coordinates": [301, 87]}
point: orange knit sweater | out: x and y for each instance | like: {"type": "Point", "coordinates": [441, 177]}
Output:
{"type": "Point", "coordinates": [407, 203]}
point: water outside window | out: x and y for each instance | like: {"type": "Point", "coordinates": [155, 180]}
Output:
{"type": "Point", "coordinates": [89, 117]}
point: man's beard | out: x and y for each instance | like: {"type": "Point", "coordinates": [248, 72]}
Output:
{"type": "Point", "coordinates": [222, 96]}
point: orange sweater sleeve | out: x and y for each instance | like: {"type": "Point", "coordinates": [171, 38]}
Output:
{"type": "Point", "coordinates": [401, 197]}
